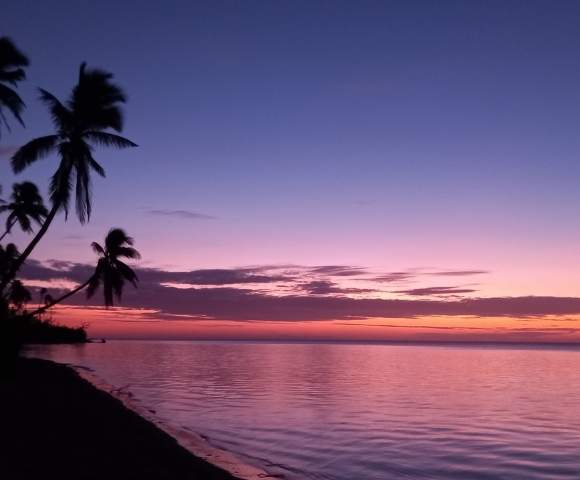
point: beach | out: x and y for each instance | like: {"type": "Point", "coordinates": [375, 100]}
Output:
{"type": "Point", "coordinates": [55, 424]}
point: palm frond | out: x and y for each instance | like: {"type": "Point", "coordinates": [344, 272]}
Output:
{"type": "Point", "coordinates": [83, 192]}
{"type": "Point", "coordinates": [117, 238]}
{"type": "Point", "coordinates": [117, 282]}
{"type": "Point", "coordinates": [24, 222]}
{"type": "Point", "coordinates": [33, 151]}
{"type": "Point", "coordinates": [12, 101]}
{"type": "Point", "coordinates": [109, 139]}
{"type": "Point", "coordinates": [95, 100]}
{"type": "Point", "coordinates": [60, 186]}
{"type": "Point", "coordinates": [61, 116]}
{"type": "Point", "coordinates": [127, 252]}
{"type": "Point", "coordinates": [97, 249]}
{"type": "Point", "coordinates": [127, 272]}
{"type": "Point", "coordinates": [10, 56]}
{"type": "Point", "coordinates": [12, 76]}
{"type": "Point", "coordinates": [97, 167]}
{"type": "Point", "coordinates": [10, 219]}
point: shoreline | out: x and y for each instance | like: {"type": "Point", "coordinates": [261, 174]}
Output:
{"type": "Point", "coordinates": [61, 422]}
{"type": "Point", "coordinates": [191, 441]}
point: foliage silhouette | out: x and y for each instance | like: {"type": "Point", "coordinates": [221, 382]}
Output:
{"type": "Point", "coordinates": [26, 205]}
{"type": "Point", "coordinates": [18, 295]}
{"type": "Point", "coordinates": [81, 123]}
{"type": "Point", "coordinates": [12, 62]}
{"type": "Point", "coordinates": [8, 256]}
{"type": "Point", "coordinates": [110, 272]}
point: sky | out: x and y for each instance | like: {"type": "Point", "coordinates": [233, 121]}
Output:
{"type": "Point", "coordinates": [320, 170]}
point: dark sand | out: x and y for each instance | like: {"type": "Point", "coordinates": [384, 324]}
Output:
{"type": "Point", "coordinates": [55, 425]}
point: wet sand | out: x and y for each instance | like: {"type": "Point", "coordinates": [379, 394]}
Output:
{"type": "Point", "coordinates": [57, 425]}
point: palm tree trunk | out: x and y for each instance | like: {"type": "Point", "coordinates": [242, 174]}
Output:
{"type": "Point", "coordinates": [28, 250]}
{"type": "Point", "coordinates": [8, 230]}
{"type": "Point", "coordinates": [60, 299]}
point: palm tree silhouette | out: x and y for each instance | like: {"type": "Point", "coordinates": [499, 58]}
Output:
{"type": "Point", "coordinates": [18, 295]}
{"type": "Point", "coordinates": [12, 62]}
{"type": "Point", "coordinates": [26, 205]}
{"type": "Point", "coordinates": [81, 123]}
{"type": "Point", "coordinates": [111, 273]}
{"type": "Point", "coordinates": [8, 256]}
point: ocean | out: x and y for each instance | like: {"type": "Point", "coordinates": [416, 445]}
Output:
{"type": "Point", "coordinates": [353, 411]}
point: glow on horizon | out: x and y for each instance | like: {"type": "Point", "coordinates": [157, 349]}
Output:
{"type": "Point", "coordinates": [142, 324]}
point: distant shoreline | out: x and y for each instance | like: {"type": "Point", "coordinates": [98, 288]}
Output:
{"type": "Point", "coordinates": [413, 343]}
{"type": "Point", "coordinates": [59, 423]}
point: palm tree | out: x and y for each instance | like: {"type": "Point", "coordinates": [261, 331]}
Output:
{"type": "Point", "coordinates": [8, 256]}
{"type": "Point", "coordinates": [81, 123]}
{"type": "Point", "coordinates": [26, 205]}
{"type": "Point", "coordinates": [18, 295]}
{"type": "Point", "coordinates": [12, 62]}
{"type": "Point", "coordinates": [110, 271]}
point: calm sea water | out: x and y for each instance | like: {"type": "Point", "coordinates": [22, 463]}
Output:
{"type": "Point", "coordinates": [344, 412]}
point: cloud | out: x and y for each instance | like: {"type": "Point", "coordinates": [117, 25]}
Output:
{"type": "Point", "coordinates": [427, 291]}
{"type": "Point", "coordinates": [212, 295]}
{"type": "Point", "coordinates": [239, 304]}
{"type": "Point", "coordinates": [417, 273]}
{"type": "Point", "coordinates": [56, 269]}
{"type": "Point", "coordinates": [338, 270]}
{"type": "Point", "coordinates": [393, 277]}
{"type": "Point", "coordinates": [429, 327]}
{"type": "Point", "coordinates": [227, 294]}
{"type": "Point", "coordinates": [459, 273]}
{"type": "Point", "coordinates": [325, 287]}
{"type": "Point", "coordinates": [212, 276]}
{"type": "Point", "coordinates": [184, 214]}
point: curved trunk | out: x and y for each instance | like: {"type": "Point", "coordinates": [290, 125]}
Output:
{"type": "Point", "coordinates": [40, 310]}
{"type": "Point", "coordinates": [8, 230]}
{"type": "Point", "coordinates": [28, 250]}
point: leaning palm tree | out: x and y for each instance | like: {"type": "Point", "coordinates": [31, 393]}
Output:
{"type": "Point", "coordinates": [111, 273]}
{"type": "Point", "coordinates": [81, 123]}
{"type": "Point", "coordinates": [26, 205]}
{"type": "Point", "coordinates": [12, 62]}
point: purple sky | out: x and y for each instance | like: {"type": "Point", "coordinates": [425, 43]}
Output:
{"type": "Point", "coordinates": [387, 135]}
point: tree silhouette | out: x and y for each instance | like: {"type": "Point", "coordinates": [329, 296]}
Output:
{"type": "Point", "coordinates": [26, 205]}
{"type": "Point", "coordinates": [8, 256]}
{"type": "Point", "coordinates": [12, 62]}
{"type": "Point", "coordinates": [18, 295]}
{"type": "Point", "coordinates": [111, 273]}
{"type": "Point", "coordinates": [81, 123]}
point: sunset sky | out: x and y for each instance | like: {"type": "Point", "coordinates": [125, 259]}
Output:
{"type": "Point", "coordinates": [353, 170]}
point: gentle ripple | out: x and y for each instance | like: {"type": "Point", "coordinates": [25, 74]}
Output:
{"type": "Point", "coordinates": [343, 412]}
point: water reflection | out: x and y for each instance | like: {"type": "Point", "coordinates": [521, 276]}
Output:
{"type": "Point", "coordinates": [361, 411]}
